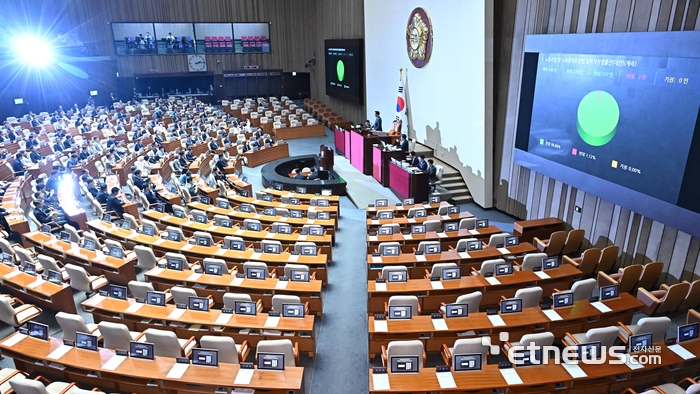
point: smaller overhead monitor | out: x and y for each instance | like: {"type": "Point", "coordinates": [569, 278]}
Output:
{"type": "Point", "coordinates": [93, 93]}
{"type": "Point", "coordinates": [142, 350]}
{"type": "Point", "coordinates": [19, 101]}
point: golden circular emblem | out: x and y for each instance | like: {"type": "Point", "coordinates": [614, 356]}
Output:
{"type": "Point", "coordinates": [419, 38]}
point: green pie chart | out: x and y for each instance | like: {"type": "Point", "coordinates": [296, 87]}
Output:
{"type": "Point", "coordinates": [597, 118]}
{"type": "Point", "coordinates": [340, 70]}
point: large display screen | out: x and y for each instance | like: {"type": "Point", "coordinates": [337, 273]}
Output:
{"type": "Point", "coordinates": [345, 69]}
{"type": "Point", "coordinates": [616, 114]}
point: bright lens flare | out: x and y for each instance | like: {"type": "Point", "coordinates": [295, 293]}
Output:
{"type": "Point", "coordinates": [34, 51]}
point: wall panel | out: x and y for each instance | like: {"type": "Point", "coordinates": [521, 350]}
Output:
{"type": "Point", "coordinates": [640, 239]}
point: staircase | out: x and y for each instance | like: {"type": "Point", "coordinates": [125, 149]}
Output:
{"type": "Point", "coordinates": [452, 187]}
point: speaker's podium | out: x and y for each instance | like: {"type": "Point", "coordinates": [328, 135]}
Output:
{"type": "Point", "coordinates": [325, 158]}
{"type": "Point", "coordinates": [381, 159]}
{"type": "Point", "coordinates": [408, 182]}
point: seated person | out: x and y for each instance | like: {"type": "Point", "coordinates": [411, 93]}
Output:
{"type": "Point", "coordinates": [92, 189]}
{"type": "Point", "coordinates": [137, 179]}
{"type": "Point", "coordinates": [17, 165]}
{"type": "Point", "coordinates": [432, 174]}
{"type": "Point", "coordinates": [48, 215]}
{"type": "Point", "coordinates": [313, 175]}
{"type": "Point", "coordinates": [153, 197]}
{"type": "Point", "coordinates": [422, 164]}
{"type": "Point", "coordinates": [114, 203]}
{"type": "Point", "coordinates": [298, 174]}
{"type": "Point", "coordinates": [403, 143]}
{"type": "Point", "coordinates": [102, 194]}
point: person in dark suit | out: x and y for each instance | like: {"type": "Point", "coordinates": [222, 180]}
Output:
{"type": "Point", "coordinates": [189, 155]}
{"type": "Point", "coordinates": [36, 125]}
{"type": "Point", "coordinates": [84, 154]}
{"type": "Point", "coordinates": [58, 146]}
{"type": "Point", "coordinates": [213, 145]}
{"type": "Point", "coordinates": [137, 179]}
{"type": "Point", "coordinates": [377, 121]}
{"type": "Point", "coordinates": [403, 143]}
{"type": "Point", "coordinates": [298, 174]}
{"type": "Point", "coordinates": [43, 217]}
{"type": "Point", "coordinates": [114, 203]}
{"type": "Point", "coordinates": [313, 175]}
{"type": "Point", "coordinates": [92, 189]}
{"type": "Point", "coordinates": [102, 194]}
{"type": "Point", "coordinates": [221, 164]}
{"type": "Point", "coordinates": [422, 164]}
{"type": "Point", "coordinates": [432, 174]}
{"type": "Point", "coordinates": [17, 165]}
{"type": "Point", "coordinates": [413, 161]}
{"type": "Point", "coordinates": [34, 154]}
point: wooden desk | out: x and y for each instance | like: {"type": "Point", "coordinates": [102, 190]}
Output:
{"type": "Point", "coordinates": [540, 228]}
{"type": "Point", "coordinates": [266, 155]}
{"type": "Point", "coordinates": [150, 316]}
{"type": "Point", "coordinates": [334, 200]}
{"type": "Point", "coordinates": [34, 290]}
{"type": "Point", "coordinates": [164, 193]}
{"type": "Point", "coordinates": [430, 297]}
{"type": "Point", "coordinates": [447, 238]}
{"type": "Point", "coordinates": [407, 184]}
{"type": "Point", "coordinates": [578, 318]}
{"type": "Point", "coordinates": [305, 131]}
{"type": "Point", "coordinates": [601, 378]}
{"type": "Point", "coordinates": [14, 200]}
{"type": "Point", "coordinates": [136, 375]}
{"type": "Point", "coordinates": [261, 204]}
{"type": "Point", "coordinates": [195, 253]}
{"type": "Point", "coordinates": [68, 194]}
{"type": "Point", "coordinates": [129, 206]}
{"type": "Point", "coordinates": [96, 263]}
{"type": "Point", "coordinates": [217, 286]}
{"type": "Point", "coordinates": [360, 149]}
{"type": "Point", "coordinates": [403, 209]}
{"type": "Point", "coordinates": [416, 267]}
{"type": "Point", "coordinates": [380, 163]}
{"type": "Point", "coordinates": [406, 221]}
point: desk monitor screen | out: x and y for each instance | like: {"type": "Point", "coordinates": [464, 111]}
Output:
{"type": "Point", "coordinates": [252, 226]}
{"type": "Point", "coordinates": [309, 250]}
{"type": "Point", "coordinates": [228, 223]}
{"type": "Point", "coordinates": [284, 229]}
{"type": "Point", "coordinates": [294, 201]}
{"type": "Point", "coordinates": [107, 218]}
{"type": "Point", "coordinates": [213, 269]}
{"type": "Point", "coordinates": [640, 342]}
{"type": "Point", "coordinates": [269, 211]}
{"type": "Point", "coordinates": [38, 330]}
{"type": "Point", "coordinates": [89, 244]}
{"type": "Point", "coordinates": [409, 201]}
{"type": "Point", "coordinates": [390, 250]}
{"type": "Point", "coordinates": [294, 214]}
{"type": "Point", "coordinates": [562, 299]}
{"type": "Point", "coordinates": [174, 236]}
{"type": "Point", "coordinates": [203, 241]}
{"type": "Point", "coordinates": [474, 245]}
{"type": "Point", "coordinates": [246, 208]}
{"type": "Point", "coordinates": [323, 215]}
{"type": "Point", "coordinates": [30, 268]}
{"type": "Point", "coordinates": [205, 357]}
{"type": "Point", "coordinates": [454, 226]}
{"type": "Point", "coordinates": [386, 215]}
{"type": "Point", "coordinates": [245, 179]}
{"type": "Point", "coordinates": [205, 199]}
{"type": "Point", "coordinates": [116, 252]}
{"type": "Point", "coordinates": [7, 259]}
{"type": "Point", "coordinates": [141, 350]}
{"type": "Point", "coordinates": [467, 362]}
{"type": "Point", "coordinates": [155, 298]}
{"type": "Point", "coordinates": [255, 273]}
{"type": "Point", "coordinates": [126, 225]}
{"type": "Point", "coordinates": [245, 193]}
{"type": "Point", "coordinates": [223, 204]}
{"type": "Point", "coordinates": [400, 312]}
{"type": "Point", "coordinates": [456, 310]}
{"type": "Point", "coordinates": [278, 186]}
{"type": "Point", "coordinates": [271, 361]}
{"type": "Point", "coordinates": [293, 310]}
{"type": "Point", "coordinates": [434, 199]}
{"type": "Point", "coordinates": [609, 292]}
{"type": "Point", "coordinates": [386, 230]}
{"type": "Point", "coordinates": [245, 308]}
{"type": "Point", "coordinates": [527, 357]}
{"type": "Point", "coordinates": [397, 276]}
{"type": "Point", "coordinates": [55, 277]}
{"type": "Point", "coordinates": [549, 263]}
{"type": "Point", "coordinates": [199, 218]}
{"type": "Point", "coordinates": [64, 236]}
{"type": "Point", "coordinates": [589, 350]}
{"type": "Point", "coordinates": [147, 230]}
{"type": "Point", "coordinates": [160, 208]}
{"type": "Point", "coordinates": [117, 292]}
{"type": "Point", "coordinates": [267, 197]}
{"type": "Point", "coordinates": [198, 303]}
{"type": "Point", "coordinates": [179, 214]}
{"type": "Point", "coordinates": [316, 230]}
{"type": "Point", "coordinates": [404, 364]}
{"type": "Point", "coordinates": [503, 269]}
{"type": "Point", "coordinates": [687, 332]}
{"type": "Point", "coordinates": [299, 276]}
{"type": "Point", "coordinates": [46, 229]}
{"type": "Point", "coordinates": [381, 202]}
{"type": "Point", "coordinates": [173, 189]}
{"type": "Point", "coordinates": [452, 210]}
{"type": "Point", "coordinates": [86, 341]}
{"type": "Point", "coordinates": [326, 192]}
{"type": "Point", "coordinates": [512, 241]}
{"type": "Point", "coordinates": [322, 202]}
{"type": "Point", "coordinates": [451, 273]}
{"type": "Point", "coordinates": [301, 189]}
{"type": "Point", "coordinates": [418, 229]}
{"type": "Point", "coordinates": [482, 223]}
{"type": "Point", "coordinates": [433, 249]}
{"type": "Point", "coordinates": [236, 245]}
{"type": "Point", "coordinates": [420, 213]}
{"type": "Point", "coordinates": [511, 305]}
{"type": "Point", "coordinates": [174, 264]}
{"type": "Point", "coordinates": [272, 248]}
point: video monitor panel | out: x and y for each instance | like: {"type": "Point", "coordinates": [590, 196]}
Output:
{"type": "Point", "coordinates": [213, 38]}
{"type": "Point", "coordinates": [134, 38]}
{"type": "Point", "coordinates": [251, 38]}
{"type": "Point", "coordinates": [345, 69]}
{"type": "Point", "coordinates": [175, 38]}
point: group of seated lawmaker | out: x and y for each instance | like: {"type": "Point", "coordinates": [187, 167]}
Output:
{"type": "Point", "coordinates": [313, 174]}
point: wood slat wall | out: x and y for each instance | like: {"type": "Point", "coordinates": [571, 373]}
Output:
{"type": "Point", "coordinates": [528, 194]}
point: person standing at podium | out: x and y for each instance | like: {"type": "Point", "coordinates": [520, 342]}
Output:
{"type": "Point", "coordinates": [377, 122]}
{"type": "Point", "coordinates": [403, 143]}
